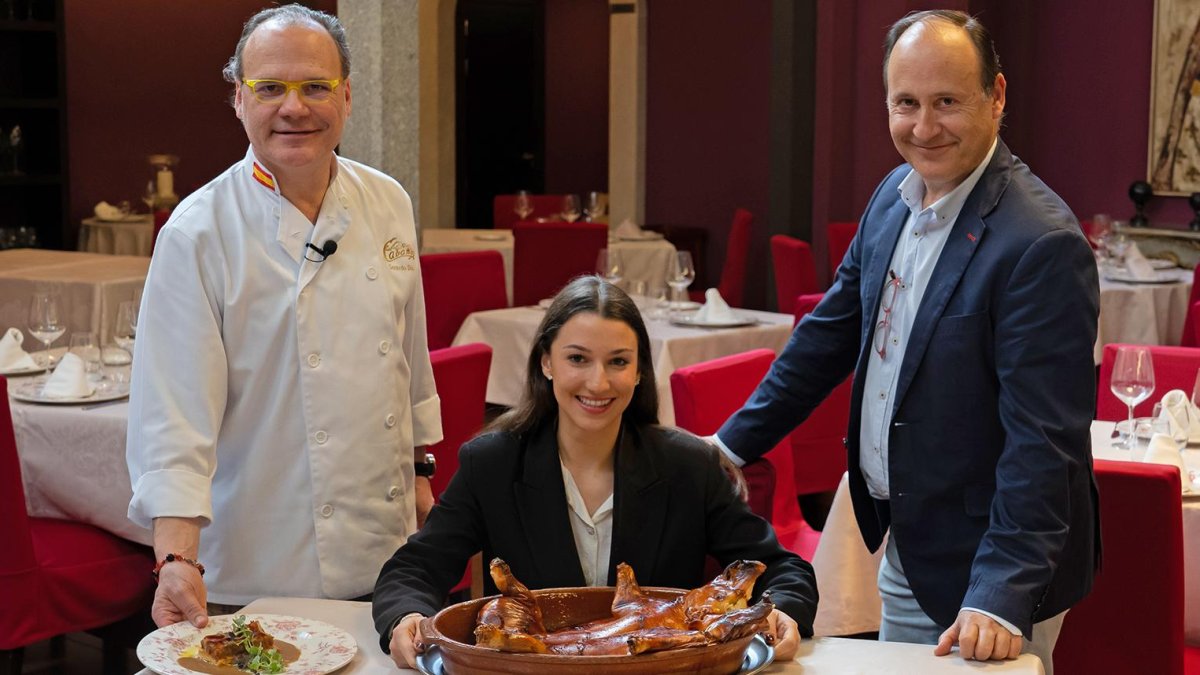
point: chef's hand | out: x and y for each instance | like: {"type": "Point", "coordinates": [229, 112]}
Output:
{"type": "Point", "coordinates": [180, 595]}
{"type": "Point", "coordinates": [979, 637]}
{"type": "Point", "coordinates": [424, 494]}
{"type": "Point", "coordinates": [407, 641]}
{"type": "Point", "coordinates": [787, 635]}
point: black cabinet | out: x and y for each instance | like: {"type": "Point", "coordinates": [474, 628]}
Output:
{"type": "Point", "coordinates": [33, 173]}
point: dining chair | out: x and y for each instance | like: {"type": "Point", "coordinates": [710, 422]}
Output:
{"type": "Point", "coordinates": [548, 255]}
{"type": "Point", "coordinates": [838, 236]}
{"type": "Point", "coordinates": [461, 376]}
{"type": "Point", "coordinates": [732, 285]}
{"type": "Point", "coordinates": [705, 395]}
{"type": "Point", "coordinates": [1132, 621]}
{"type": "Point", "coordinates": [795, 271]}
{"type": "Point", "coordinates": [1191, 332]}
{"type": "Point", "coordinates": [544, 206]}
{"type": "Point", "coordinates": [1174, 368]}
{"type": "Point", "coordinates": [818, 444]}
{"type": "Point", "coordinates": [457, 284]}
{"type": "Point", "coordinates": [58, 576]}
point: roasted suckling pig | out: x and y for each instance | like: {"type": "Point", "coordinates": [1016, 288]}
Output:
{"type": "Point", "coordinates": [716, 612]}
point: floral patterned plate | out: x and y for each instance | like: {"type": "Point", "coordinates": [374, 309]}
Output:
{"type": "Point", "coordinates": [323, 648]}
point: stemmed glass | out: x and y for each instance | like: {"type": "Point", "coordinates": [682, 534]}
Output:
{"type": "Point", "coordinates": [84, 346]}
{"type": "Point", "coordinates": [680, 275]}
{"type": "Point", "coordinates": [1099, 234]}
{"type": "Point", "coordinates": [45, 322]}
{"type": "Point", "coordinates": [523, 207]}
{"type": "Point", "coordinates": [149, 196]}
{"type": "Point", "coordinates": [1132, 382]}
{"type": "Point", "coordinates": [608, 265]}
{"type": "Point", "coordinates": [570, 208]}
{"type": "Point", "coordinates": [126, 327]}
{"type": "Point", "coordinates": [595, 207]}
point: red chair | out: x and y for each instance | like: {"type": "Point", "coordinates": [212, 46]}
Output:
{"type": "Point", "coordinates": [795, 271]}
{"type": "Point", "coordinates": [705, 395]}
{"type": "Point", "coordinates": [59, 576]}
{"type": "Point", "coordinates": [544, 206]}
{"type": "Point", "coordinates": [548, 255]}
{"type": "Point", "coordinates": [461, 375]}
{"type": "Point", "coordinates": [733, 274]}
{"type": "Point", "coordinates": [818, 448]}
{"type": "Point", "coordinates": [1132, 622]}
{"type": "Point", "coordinates": [1191, 333]}
{"type": "Point", "coordinates": [457, 284]}
{"type": "Point", "coordinates": [837, 241]}
{"type": "Point", "coordinates": [1174, 368]}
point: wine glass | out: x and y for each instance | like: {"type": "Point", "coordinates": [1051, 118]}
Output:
{"type": "Point", "coordinates": [126, 327]}
{"type": "Point", "coordinates": [1132, 382]}
{"type": "Point", "coordinates": [45, 322]}
{"type": "Point", "coordinates": [680, 275]}
{"type": "Point", "coordinates": [149, 196]}
{"type": "Point", "coordinates": [570, 208]}
{"type": "Point", "coordinates": [84, 346]}
{"type": "Point", "coordinates": [523, 206]}
{"type": "Point", "coordinates": [595, 207]}
{"type": "Point", "coordinates": [608, 265]}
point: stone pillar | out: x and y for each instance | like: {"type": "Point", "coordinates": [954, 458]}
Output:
{"type": "Point", "coordinates": [627, 111]}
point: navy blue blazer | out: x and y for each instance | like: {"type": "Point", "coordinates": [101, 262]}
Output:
{"type": "Point", "coordinates": [672, 504]}
{"type": "Point", "coordinates": [993, 501]}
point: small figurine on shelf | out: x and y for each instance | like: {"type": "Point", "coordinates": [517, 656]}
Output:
{"type": "Point", "coordinates": [1140, 192]}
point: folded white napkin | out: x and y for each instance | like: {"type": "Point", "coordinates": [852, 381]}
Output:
{"type": "Point", "coordinates": [715, 309]}
{"type": "Point", "coordinates": [1139, 268]}
{"type": "Point", "coordinates": [628, 228]}
{"type": "Point", "coordinates": [12, 355]}
{"type": "Point", "coordinates": [1182, 419]}
{"type": "Point", "coordinates": [69, 379]}
{"type": "Point", "coordinates": [106, 211]}
{"type": "Point", "coordinates": [1163, 450]}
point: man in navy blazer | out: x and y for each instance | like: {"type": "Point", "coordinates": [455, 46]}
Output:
{"type": "Point", "coordinates": [966, 308]}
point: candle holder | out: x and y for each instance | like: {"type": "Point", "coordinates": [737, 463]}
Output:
{"type": "Point", "coordinates": [164, 181]}
{"type": "Point", "coordinates": [1140, 192]}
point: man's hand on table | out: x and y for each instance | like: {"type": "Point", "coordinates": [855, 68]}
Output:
{"type": "Point", "coordinates": [980, 638]}
{"type": "Point", "coordinates": [424, 495]}
{"type": "Point", "coordinates": [180, 595]}
{"type": "Point", "coordinates": [407, 641]}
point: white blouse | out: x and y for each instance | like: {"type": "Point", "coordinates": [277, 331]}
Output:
{"type": "Point", "coordinates": [593, 532]}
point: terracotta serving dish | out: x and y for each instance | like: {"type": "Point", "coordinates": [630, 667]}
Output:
{"type": "Point", "coordinates": [453, 631]}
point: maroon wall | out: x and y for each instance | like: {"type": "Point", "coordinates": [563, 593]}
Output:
{"type": "Point", "coordinates": [144, 77]}
{"type": "Point", "coordinates": [576, 96]}
{"type": "Point", "coordinates": [707, 114]}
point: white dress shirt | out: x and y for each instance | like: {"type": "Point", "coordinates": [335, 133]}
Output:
{"type": "Point", "coordinates": [592, 531]}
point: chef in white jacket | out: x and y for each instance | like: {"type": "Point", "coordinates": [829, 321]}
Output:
{"type": "Point", "coordinates": [282, 392]}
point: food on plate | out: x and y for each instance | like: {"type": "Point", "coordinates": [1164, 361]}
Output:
{"type": "Point", "coordinates": [245, 648]}
{"type": "Point", "coordinates": [716, 612]}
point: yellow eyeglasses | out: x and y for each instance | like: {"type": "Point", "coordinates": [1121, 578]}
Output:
{"type": "Point", "coordinates": [274, 91]}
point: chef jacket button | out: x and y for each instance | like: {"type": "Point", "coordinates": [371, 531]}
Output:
{"type": "Point", "coordinates": [384, 346]}
{"type": "Point", "coordinates": [390, 421]}
{"type": "Point", "coordinates": [591, 530]}
{"type": "Point", "coordinates": [321, 437]}
{"type": "Point", "coordinates": [372, 274]}
{"type": "Point", "coordinates": [327, 510]}
{"type": "Point", "coordinates": [314, 360]}
{"type": "Point", "coordinates": [393, 492]}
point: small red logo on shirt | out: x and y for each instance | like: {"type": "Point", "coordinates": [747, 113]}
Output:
{"type": "Point", "coordinates": [970, 236]}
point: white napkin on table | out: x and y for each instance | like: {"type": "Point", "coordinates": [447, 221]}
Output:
{"type": "Point", "coordinates": [106, 211]}
{"type": "Point", "coordinates": [1180, 415]}
{"type": "Point", "coordinates": [1162, 450]}
{"type": "Point", "coordinates": [629, 229]}
{"type": "Point", "coordinates": [69, 379]}
{"type": "Point", "coordinates": [715, 309]}
{"type": "Point", "coordinates": [12, 355]}
{"type": "Point", "coordinates": [1139, 268]}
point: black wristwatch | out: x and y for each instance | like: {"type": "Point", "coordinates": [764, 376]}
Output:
{"type": "Point", "coordinates": [426, 468]}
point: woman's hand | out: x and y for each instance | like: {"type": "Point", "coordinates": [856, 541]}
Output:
{"type": "Point", "coordinates": [407, 641]}
{"type": "Point", "coordinates": [786, 633]}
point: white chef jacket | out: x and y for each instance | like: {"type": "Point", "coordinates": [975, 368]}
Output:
{"type": "Point", "coordinates": [278, 398]}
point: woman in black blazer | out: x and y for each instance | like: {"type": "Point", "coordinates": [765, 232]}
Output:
{"type": "Point", "coordinates": [580, 457]}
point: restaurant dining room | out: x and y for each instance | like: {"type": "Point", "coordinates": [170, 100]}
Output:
{"type": "Point", "coordinates": [599, 336]}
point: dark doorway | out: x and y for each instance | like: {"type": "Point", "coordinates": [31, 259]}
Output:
{"type": "Point", "coordinates": [500, 98]}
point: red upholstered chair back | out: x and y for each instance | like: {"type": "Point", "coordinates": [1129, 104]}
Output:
{"type": "Point", "coordinates": [548, 255]}
{"type": "Point", "coordinates": [461, 374]}
{"type": "Point", "coordinates": [795, 271]}
{"type": "Point", "coordinates": [1138, 595]}
{"type": "Point", "coordinates": [818, 450]}
{"type": "Point", "coordinates": [544, 206]}
{"type": "Point", "coordinates": [837, 241]}
{"type": "Point", "coordinates": [1191, 332]}
{"type": "Point", "coordinates": [457, 284]}
{"type": "Point", "coordinates": [16, 552]}
{"type": "Point", "coordinates": [1174, 368]}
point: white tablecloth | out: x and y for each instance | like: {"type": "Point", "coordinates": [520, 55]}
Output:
{"type": "Point", "coordinates": [510, 334]}
{"type": "Point", "coordinates": [1145, 314]}
{"type": "Point", "coordinates": [820, 656]}
{"type": "Point", "coordinates": [644, 261]}
{"type": "Point", "coordinates": [134, 236]}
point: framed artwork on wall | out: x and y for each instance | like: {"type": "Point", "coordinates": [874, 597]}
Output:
{"type": "Point", "coordinates": [1174, 162]}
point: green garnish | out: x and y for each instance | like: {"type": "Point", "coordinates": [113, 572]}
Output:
{"type": "Point", "coordinates": [261, 660]}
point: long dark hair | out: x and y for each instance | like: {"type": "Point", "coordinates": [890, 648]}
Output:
{"type": "Point", "coordinates": [583, 294]}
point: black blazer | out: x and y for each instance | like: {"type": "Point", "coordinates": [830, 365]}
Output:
{"type": "Point", "coordinates": [672, 504]}
{"type": "Point", "coordinates": [993, 503]}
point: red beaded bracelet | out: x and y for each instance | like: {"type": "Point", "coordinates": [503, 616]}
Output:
{"type": "Point", "coordinates": [175, 557]}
